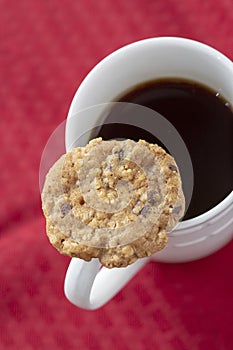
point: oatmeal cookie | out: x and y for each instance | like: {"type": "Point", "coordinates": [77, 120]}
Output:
{"type": "Point", "coordinates": [112, 200]}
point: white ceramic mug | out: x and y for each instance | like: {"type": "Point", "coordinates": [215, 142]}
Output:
{"type": "Point", "coordinates": [87, 285]}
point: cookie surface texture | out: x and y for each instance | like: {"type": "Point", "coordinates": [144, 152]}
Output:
{"type": "Point", "coordinates": [112, 200]}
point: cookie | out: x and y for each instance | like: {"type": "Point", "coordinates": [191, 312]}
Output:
{"type": "Point", "coordinates": [112, 200]}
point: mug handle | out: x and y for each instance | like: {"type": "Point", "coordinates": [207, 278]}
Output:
{"type": "Point", "coordinates": [89, 286]}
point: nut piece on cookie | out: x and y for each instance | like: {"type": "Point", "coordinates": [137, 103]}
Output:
{"type": "Point", "coordinates": [112, 200]}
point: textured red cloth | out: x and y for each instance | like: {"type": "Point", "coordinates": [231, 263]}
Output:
{"type": "Point", "coordinates": [46, 49]}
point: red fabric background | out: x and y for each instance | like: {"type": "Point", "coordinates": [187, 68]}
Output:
{"type": "Point", "coordinates": [46, 49]}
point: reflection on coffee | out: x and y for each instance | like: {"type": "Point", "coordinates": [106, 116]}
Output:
{"type": "Point", "coordinates": [204, 120]}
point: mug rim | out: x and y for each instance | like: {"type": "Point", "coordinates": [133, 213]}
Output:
{"type": "Point", "coordinates": [161, 39]}
{"type": "Point", "coordinates": [194, 44]}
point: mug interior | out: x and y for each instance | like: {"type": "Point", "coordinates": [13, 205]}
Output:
{"type": "Point", "coordinates": [152, 59]}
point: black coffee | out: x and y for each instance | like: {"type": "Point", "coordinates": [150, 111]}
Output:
{"type": "Point", "coordinates": [205, 122]}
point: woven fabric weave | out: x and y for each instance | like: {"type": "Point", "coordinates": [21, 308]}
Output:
{"type": "Point", "coordinates": [46, 49]}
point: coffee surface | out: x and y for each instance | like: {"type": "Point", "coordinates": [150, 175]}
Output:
{"type": "Point", "coordinates": [203, 118]}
